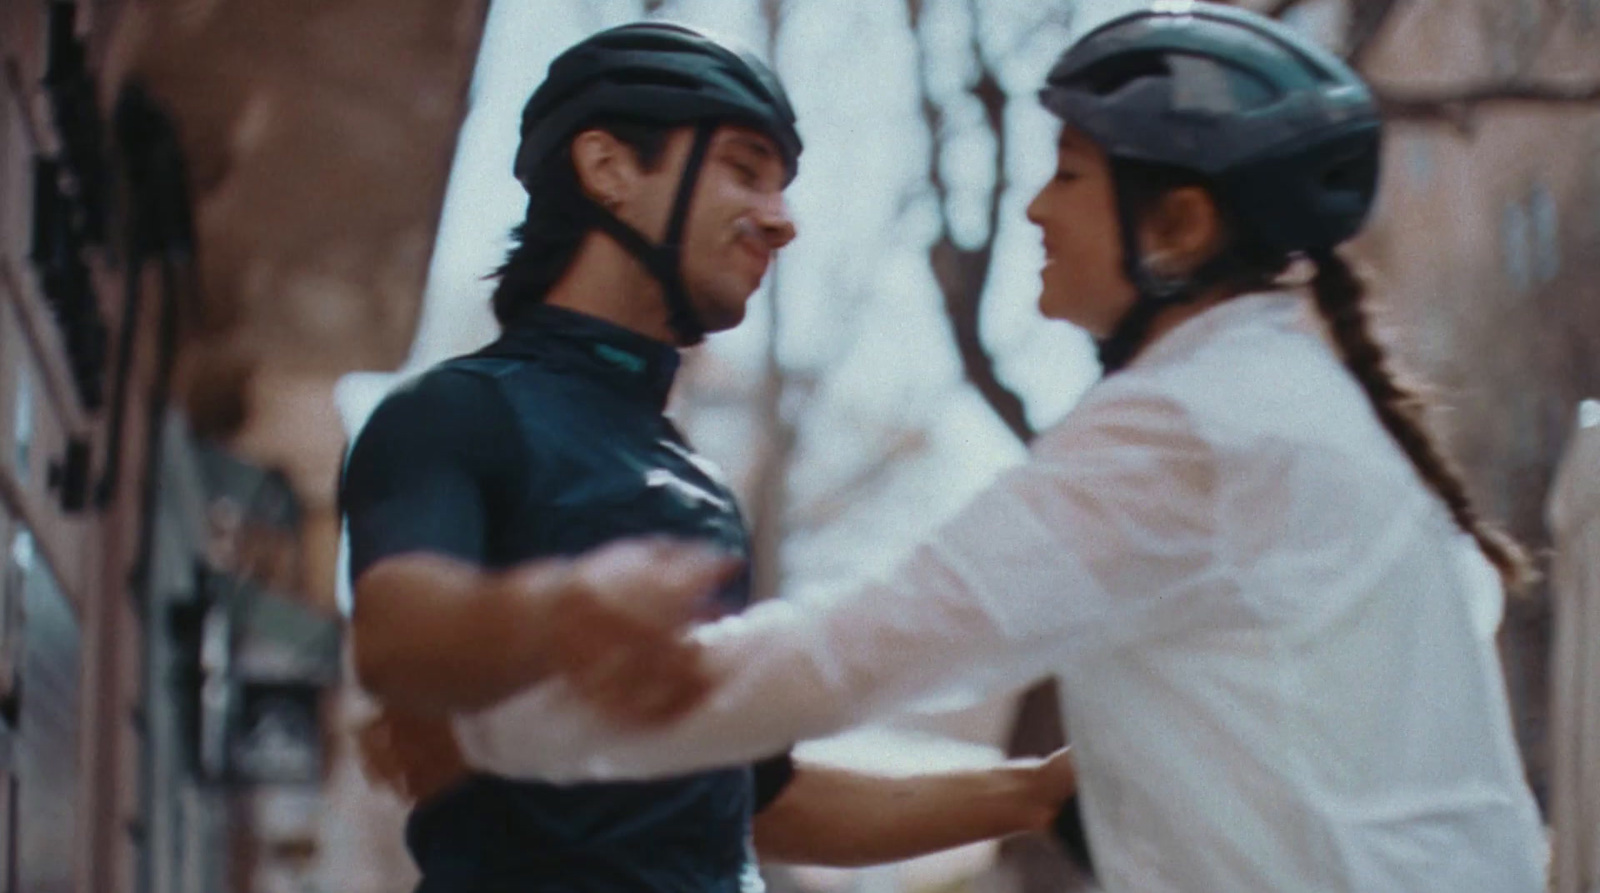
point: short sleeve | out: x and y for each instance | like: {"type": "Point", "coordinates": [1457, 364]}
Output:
{"type": "Point", "coordinates": [427, 470]}
{"type": "Point", "coordinates": [769, 778]}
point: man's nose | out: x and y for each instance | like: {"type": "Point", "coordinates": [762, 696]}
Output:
{"type": "Point", "coordinates": [776, 224]}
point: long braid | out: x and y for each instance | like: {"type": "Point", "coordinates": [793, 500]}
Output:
{"type": "Point", "coordinates": [1339, 295]}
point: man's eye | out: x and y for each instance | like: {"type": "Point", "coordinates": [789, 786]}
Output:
{"type": "Point", "coordinates": [1066, 176]}
{"type": "Point", "coordinates": [746, 173]}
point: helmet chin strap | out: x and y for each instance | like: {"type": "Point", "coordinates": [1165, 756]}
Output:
{"type": "Point", "coordinates": [1154, 293]}
{"type": "Point", "coordinates": [665, 261]}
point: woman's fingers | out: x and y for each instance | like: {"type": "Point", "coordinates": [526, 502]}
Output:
{"type": "Point", "coordinates": [647, 681]}
{"type": "Point", "coordinates": [619, 639]}
{"type": "Point", "coordinates": [657, 581]}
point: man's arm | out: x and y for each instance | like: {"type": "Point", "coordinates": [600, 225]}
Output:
{"type": "Point", "coordinates": [431, 633]}
{"type": "Point", "coordinates": [447, 637]}
{"type": "Point", "coordinates": [432, 630]}
{"type": "Point", "coordinates": [429, 628]}
{"type": "Point", "coordinates": [836, 817]}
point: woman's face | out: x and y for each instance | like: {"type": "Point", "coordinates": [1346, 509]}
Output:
{"type": "Point", "coordinates": [1083, 279]}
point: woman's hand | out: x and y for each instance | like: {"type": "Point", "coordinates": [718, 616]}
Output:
{"type": "Point", "coordinates": [619, 630]}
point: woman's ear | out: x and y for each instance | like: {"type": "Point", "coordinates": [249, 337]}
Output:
{"type": "Point", "coordinates": [606, 167]}
{"type": "Point", "coordinates": [1182, 232]}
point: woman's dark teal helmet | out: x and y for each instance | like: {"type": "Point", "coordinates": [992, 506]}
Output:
{"type": "Point", "coordinates": [1284, 134]}
{"type": "Point", "coordinates": [661, 74]}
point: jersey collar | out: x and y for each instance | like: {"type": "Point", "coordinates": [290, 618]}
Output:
{"type": "Point", "coordinates": [589, 345]}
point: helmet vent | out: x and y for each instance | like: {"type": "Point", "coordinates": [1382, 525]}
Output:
{"type": "Point", "coordinates": [1351, 174]}
{"type": "Point", "coordinates": [654, 77]}
{"type": "Point", "coordinates": [1116, 74]}
{"type": "Point", "coordinates": [1204, 84]}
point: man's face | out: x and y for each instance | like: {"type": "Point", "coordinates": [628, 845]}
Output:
{"type": "Point", "coordinates": [737, 219]}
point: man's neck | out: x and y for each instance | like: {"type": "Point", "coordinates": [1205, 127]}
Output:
{"type": "Point", "coordinates": [608, 283]}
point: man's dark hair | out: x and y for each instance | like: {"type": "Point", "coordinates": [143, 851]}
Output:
{"type": "Point", "coordinates": [547, 240]}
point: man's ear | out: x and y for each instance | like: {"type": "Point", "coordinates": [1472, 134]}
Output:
{"type": "Point", "coordinates": [1183, 231]}
{"type": "Point", "coordinates": [606, 167]}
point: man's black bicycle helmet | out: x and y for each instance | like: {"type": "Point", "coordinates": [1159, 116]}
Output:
{"type": "Point", "coordinates": [655, 73]}
{"type": "Point", "coordinates": [1285, 133]}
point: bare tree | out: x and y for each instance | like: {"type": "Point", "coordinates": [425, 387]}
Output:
{"type": "Point", "coordinates": [962, 272]}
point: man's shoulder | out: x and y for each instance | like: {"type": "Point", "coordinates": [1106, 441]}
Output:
{"type": "Point", "coordinates": [476, 377]}
{"type": "Point", "coordinates": [442, 418]}
{"type": "Point", "coordinates": [452, 388]}
{"type": "Point", "coordinates": [486, 399]}
{"type": "Point", "coordinates": [487, 370]}
{"type": "Point", "coordinates": [482, 365]}
{"type": "Point", "coordinates": [459, 399]}
{"type": "Point", "coordinates": [526, 388]}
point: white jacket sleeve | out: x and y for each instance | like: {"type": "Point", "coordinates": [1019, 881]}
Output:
{"type": "Point", "coordinates": [1036, 566]}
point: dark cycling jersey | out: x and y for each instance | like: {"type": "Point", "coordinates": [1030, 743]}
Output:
{"type": "Point", "coordinates": [549, 442]}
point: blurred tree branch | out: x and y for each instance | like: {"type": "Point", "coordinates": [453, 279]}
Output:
{"type": "Point", "coordinates": [961, 273]}
{"type": "Point", "coordinates": [769, 487]}
{"type": "Point", "coordinates": [827, 507]}
{"type": "Point", "coordinates": [783, 397]}
{"type": "Point", "coordinates": [769, 481]}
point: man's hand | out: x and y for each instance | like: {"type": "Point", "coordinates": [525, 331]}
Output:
{"type": "Point", "coordinates": [617, 631]}
{"type": "Point", "coordinates": [414, 755]}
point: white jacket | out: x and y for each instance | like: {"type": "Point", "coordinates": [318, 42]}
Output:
{"type": "Point", "coordinates": [1274, 646]}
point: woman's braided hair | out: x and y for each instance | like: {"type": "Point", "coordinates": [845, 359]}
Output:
{"type": "Point", "coordinates": [1340, 295]}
